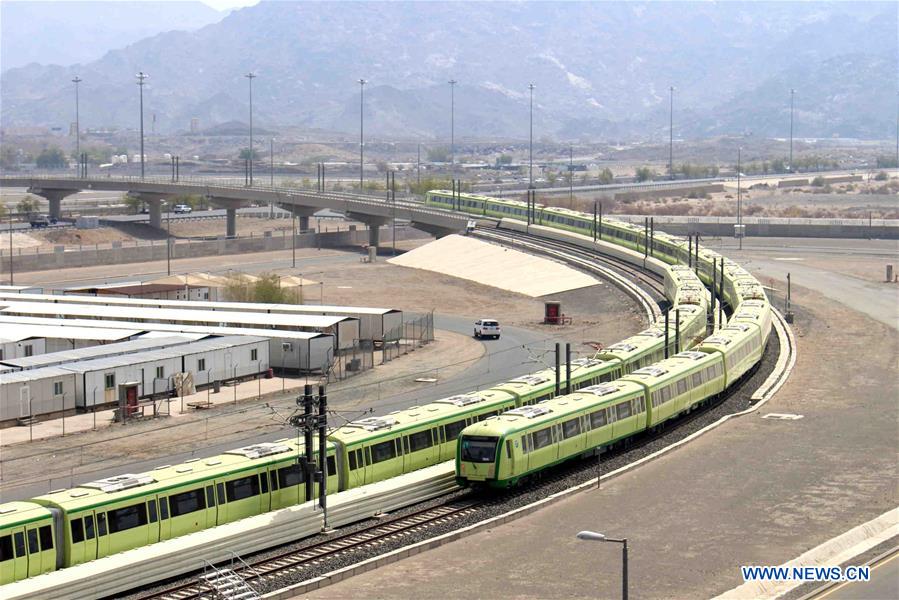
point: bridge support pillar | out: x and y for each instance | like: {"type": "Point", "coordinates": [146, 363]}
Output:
{"type": "Point", "coordinates": [374, 224]}
{"type": "Point", "coordinates": [302, 213]}
{"type": "Point", "coordinates": [54, 197]}
{"type": "Point", "coordinates": [154, 205]}
{"type": "Point", "coordinates": [231, 222]}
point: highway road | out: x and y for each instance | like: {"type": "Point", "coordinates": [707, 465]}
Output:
{"type": "Point", "coordinates": [884, 584]}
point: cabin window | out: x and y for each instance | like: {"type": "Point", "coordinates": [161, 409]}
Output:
{"type": "Point", "coordinates": [187, 502]}
{"type": "Point", "coordinates": [201, 364]}
{"type": "Point", "coordinates": [29, 350]}
{"type": "Point", "coordinates": [129, 517]}
{"type": "Point", "coordinates": [57, 388]}
{"type": "Point", "coordinates": [598, 419]}
{"type": "Point", "coordinates": [109, 381]}
{"type": "Point", "coordinates": [77, 531]}
{"type": "Point", "coordinates": [240, 489]}
{"type": "Point", "coordinates": [254, 354]}
{"type": "Point", "coordinates": [290, 476]}
{"type": "Point", "coordinates": [383, 451]}
{"type": "Point", "coordinates": [32, 541]}
{"type": "Point", "coordinates": [571, 428]}
{"type": "Point", "coordinates": [420, 441]}
{"type": "Point", "coordinates": [452, 430]}
{"type": "Point", "coordinates": [6, 548]}
{"type": "Point", "coordinates": [160, 372]}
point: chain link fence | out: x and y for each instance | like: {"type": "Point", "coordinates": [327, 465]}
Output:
{"type": "Point", "coordinates": [407, 337]}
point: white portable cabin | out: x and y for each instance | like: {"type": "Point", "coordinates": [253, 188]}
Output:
{"type": "Point", "coordinates": [373, 322]}
{"type": "Point", "coordinates": [69, 356]}
{"type": "Point", "coordinates": [224, 358]}
{"type": "Point", "coordinates": [344, 329]}
{"type": "Point", "coordinates": [14, 346]}
{"type": "Point", "coordinates": [97, 380]}
{"type": "Point", "coordinates": [36, 392]}
{"type": "Point", "coordinates": [48, 336]}
{"type": "Point", "coordinates": [307, 351]}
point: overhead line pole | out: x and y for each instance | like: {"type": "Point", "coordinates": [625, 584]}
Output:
{"type": "Point", "coordinates": [141, 76]}
{"type": "Point", "coordinates": [250, 76]}
{"type": "Point", "coordinates": [76, 81]}
{"type": "Point", "coordinates": [362, 83]}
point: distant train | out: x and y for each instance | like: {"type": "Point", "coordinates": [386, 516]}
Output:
{"type": "Point", "coordinates": [100, 518]}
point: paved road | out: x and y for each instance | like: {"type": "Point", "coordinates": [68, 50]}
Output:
{"type": "Point", "coordinates": [884, 584]}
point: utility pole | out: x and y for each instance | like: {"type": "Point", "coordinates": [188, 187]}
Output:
{"type": "Point", "coordinates": [362, 83]}
{"type": "Point", "coordinates": [76, 81]}
{"type": "Point", "coordinates": [250, 76]}
{"type": "Point", "coordinates": [739, 198]}
{"type": "Point", "coordinates": [671, 133]}
{"type": "Point", "coordinates": [271, 174]}
{"type": "Point", "coordinates": [141, 76]}
{"type": "Point", "coordinates": [570, 175]}
{"type": "Point", "coordinates": [792, 93]}
{"type": "Point", "coordinates": [531, 87]}
{"type": "Point", "coordinates": [418, 168]}
{"type": "Point", "coordinates": [452, 83]}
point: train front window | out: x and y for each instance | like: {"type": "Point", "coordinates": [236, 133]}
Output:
{"type": "Point", "coordinates": [478, 448]}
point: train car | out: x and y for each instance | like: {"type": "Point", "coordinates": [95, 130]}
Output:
{"type": "Point", "coordinates": [540, 386]}
{"type": "Point", "coordinates": [29, 535]}
{"type": "Point", "coordinates": [740, 344]}
{"type": "Point", "coordinates": [677, 276]}
{"type": "Point", "coordinates": [501, 451]}
{"type": "Point", "coordinates": [479, 205]}
{"type": "Point", "coordinates": [378, 448]}
{"type": "Point", "coordinates": [678, 384]}
{"type": "Point", "coordinates": [129, 511]}
{"type": "Point", "coordinates": [757, 312]}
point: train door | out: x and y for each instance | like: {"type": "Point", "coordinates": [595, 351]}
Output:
{"type": "Point", "coordinates": [102, 534]}
{"type": "Point", "coordinates": [21, 554]}
{"type": "Point", "coordinates": [39, 560]}
{"type": "Point", "coordinates": [165, 524]}
{"type": "Point", "coordinates": [356, 467]}
{"type": "Point", "coordinates": [152, 521]}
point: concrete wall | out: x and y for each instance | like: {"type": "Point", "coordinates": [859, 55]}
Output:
{"type": "Point", "coordinates": [122, 254]}
{"type": "Point", "coordinates": [670, 192]}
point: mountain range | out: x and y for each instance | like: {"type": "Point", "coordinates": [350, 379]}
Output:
{"type": "Point", "coordinates": [601, 70]}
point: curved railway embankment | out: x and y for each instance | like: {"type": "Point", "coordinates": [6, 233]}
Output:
{"type": "Point", "coordinates": [690, 418]}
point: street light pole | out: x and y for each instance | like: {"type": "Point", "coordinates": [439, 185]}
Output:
{"type": "Point", "coordinates": [598, 537]}
{"type": "Point", "coordinates": [792, 93]}
{"type": "Point", "coordinates": [250, 76]}
{"type": "Point", "coordinates": [362, 83]}
{"type": "Point", "coordinates": [531, 87]}
{"type": "Point", "coordinates": [76, 81]}
{"type": "Point", "coordinates": [570, 175]}
{"type": "Point", "coordinates": [452, 83]}
{"type": "Point", "coordinates": [739, 198]}
{"type": "Point", "coordinates": [141, 76]}
{"type": "Point", "coordinates": [168, 238]}
{"type": "Point", "coordinates": [671, 133]}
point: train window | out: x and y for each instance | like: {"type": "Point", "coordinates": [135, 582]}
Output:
{"type": "Point", "coordinates": [542, 438]}
{"type": "Point", "coordinates": [488, 415]}
{"type": "Point", "coordinates": [697, 379]}
{"type": "Point", "coordinates": [682, 386]}
{"type": "Point", "coordinates": [332, 465]}
{"type": "Point", "coordinates": [571, 428]}
{"type": "Point", "coordinates": [210, 496]}
{"type": "Point", "coordinates": [220, 492]}
{"type": "Point", "coordinates": [77, 531]}
{"type": "Point", "coordinates": [263, 483]}
{"type": "Point", "coordinates": [6, 548]}
{"type": "Point", "coordinates": [639, 404]}
{"type": "Point", "coordinates": [19, 539]}
{"type": "Point", "coordinates": [273, 476]}
{"type": "Point", "coordinates": [163, 508]}
{"type": "Point", "coordinates": [508, 448]}
{"type": "Point", "coordinates": [405, 444]}
{"type": "Point", "coordinates": [383, 451]}
{"type": "Point", "coordinates": [46, 533]}
{"type": "Point", "coordinates": [187, 502]}
{"type": "Point", "coordinates": [352, 458]}
{"type": "Point", "coordinates": [420, 441]}
{"type": "Point", "coordinates": [368, 456]}
{"type": "Point", "coordinates": [151, 509]}
{"type": "Point", "coordinates": [290, 476]}
{"type": "Point", "coordinates": [89, 527]}
{"type": "Point", "coordinates": [32, 541]}
{"type": "Point", "coordinates": [129, 517]}
{"type": "Point", "coordinates": [101, 524]}
{"type": "Point", "coordinates": [452, 430]}
{"type": "Point", "coordinates": [598, 419]}
{"type": "Point", "coordinates": [623, 410]}
{"type": "Point", "coordinates": [240, 489]}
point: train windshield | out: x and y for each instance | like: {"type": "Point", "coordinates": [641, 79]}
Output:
{"type": "Point", "coordinates": [478, 448]}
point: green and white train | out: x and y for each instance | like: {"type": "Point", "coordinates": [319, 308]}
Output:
{"type": "Point", "coordinates": [613, 399]}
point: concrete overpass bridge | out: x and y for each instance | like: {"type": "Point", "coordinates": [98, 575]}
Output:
{"type": "Point", "coordinates": [370, 210]}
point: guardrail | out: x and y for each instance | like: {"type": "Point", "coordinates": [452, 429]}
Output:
{"type": "Point", "coordinates": [146, 565]}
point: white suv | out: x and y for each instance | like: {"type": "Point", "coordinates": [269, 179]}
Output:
{"type": "Point", "coordinates": [486, 328]}
{"type": "Point", "coordinates": [182, 208]}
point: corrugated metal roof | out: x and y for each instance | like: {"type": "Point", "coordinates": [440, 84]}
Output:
{"type": "Point", "coordinates": [141, 314]}
{"type": "Point", "coordinates": [65, 356]}
{"type": "Point", "coordinates": [33, 375]}
{"type": "Point", "coordinates": [16, 332]}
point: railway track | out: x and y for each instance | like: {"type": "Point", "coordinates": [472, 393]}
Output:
{"type": "Point", "coordinates": [291, 561]}
{"type": "Point", "coordinates": [619, 272]}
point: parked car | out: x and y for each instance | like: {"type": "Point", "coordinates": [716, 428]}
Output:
{"type": "Point", "coordinates": [182, 208]}
{"type": "Point", "coordinates": [487, 328]}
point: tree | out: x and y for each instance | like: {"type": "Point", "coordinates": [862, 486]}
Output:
{"type": "Point", "coordinates": [192, 200]}
{"type": "Point", "coordinates": [882, 176]}
{"type": "Point", "coordinates": [818, 181]}
{"type": "Point", "coordinates": [245, 154]}
{"type": "Point", "coordinates": [886, 162]}
{"type": "Point", "coordinates": [27, 205]}
{"type": "Point", "coordinates": [2, 210]}
{"type": "Point", "coordinates": [267, 289]}
{"type": "Point", "coordinates": [133, 202]}
{"type": "Point", "coordinates": [439, 154]}
{"type": "Point", "coordinates": [779, 165]}
{"type": "Point", "coordinates": [645, 174]}
{"type": "Point", "coordinates": [504, 159]}
{"type": "Point", "coordinates": [606, 177]}
{"type": "Point", "coordinates": [552, 176]}
{"type": "Point", "coordinates": [51, 158]}
{"type": "Point", "coordinates": [8, 158]}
